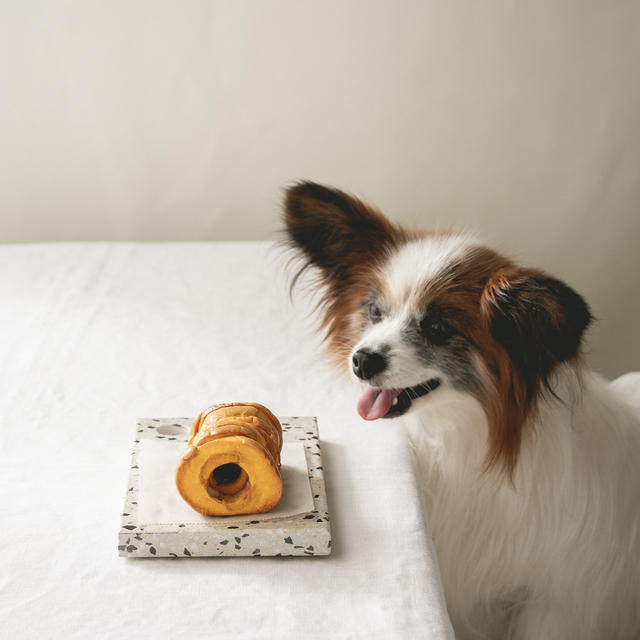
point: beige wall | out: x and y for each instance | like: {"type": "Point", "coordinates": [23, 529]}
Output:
{"type": "Point", "coordinates": [182, 120]}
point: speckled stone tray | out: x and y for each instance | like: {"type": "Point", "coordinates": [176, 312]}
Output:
{"type": "Point", "coordinates": [305, 534]}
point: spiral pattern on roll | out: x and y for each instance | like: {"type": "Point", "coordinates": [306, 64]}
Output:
{"type": "Point", "coordinates": [232, 463]}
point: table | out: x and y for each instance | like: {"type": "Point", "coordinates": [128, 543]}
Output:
{"type": "Point", "coordinates": [95, 335]}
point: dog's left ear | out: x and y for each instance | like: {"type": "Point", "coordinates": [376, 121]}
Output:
{"type": "Point", "coordinates": [537, 319]}
{"type": "Point", "coordinates": [336, 232]}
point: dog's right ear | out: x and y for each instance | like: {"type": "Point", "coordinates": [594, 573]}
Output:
{"type": "Point", "coordinates": [335, 231]}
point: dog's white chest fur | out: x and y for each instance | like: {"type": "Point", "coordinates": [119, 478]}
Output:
{"type": "Point", "coordinates": [536, 558]}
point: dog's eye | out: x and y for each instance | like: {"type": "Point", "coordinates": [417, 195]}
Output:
{"type": "Point", "coordinates": [436, 331]}
{"type": "Point", "coordinates": [375, 315]}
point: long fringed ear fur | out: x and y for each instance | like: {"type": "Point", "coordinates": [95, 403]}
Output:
{"type": "Point", "coordinates": [335, 231]}
{"type": "Point", "coordinates": [537, 322]}
{"type": "Point", "coordinates": [344, 239]}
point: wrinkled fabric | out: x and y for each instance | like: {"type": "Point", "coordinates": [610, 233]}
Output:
{"type": "Point", "coordinates": [93, 336]}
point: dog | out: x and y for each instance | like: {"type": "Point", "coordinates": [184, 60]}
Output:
{"type": "Point", "coordinates": [528, 460]}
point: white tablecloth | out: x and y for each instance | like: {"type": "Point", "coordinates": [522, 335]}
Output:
{"type": "Point", "coordinates": [93, 336]}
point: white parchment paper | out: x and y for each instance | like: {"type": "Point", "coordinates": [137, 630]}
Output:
{"type": "Point", "coordinates": [160, 503]}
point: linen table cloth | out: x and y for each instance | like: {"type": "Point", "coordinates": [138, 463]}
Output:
{"type": "Point", "coordinates": [93, 336]}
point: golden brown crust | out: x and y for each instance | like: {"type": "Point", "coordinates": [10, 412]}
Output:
{"type": "Point", "coordinates": [216, 412]}
{"type": "Point", "coordinates": [238, 428]}
{"type": "Point", "coordinates": [243, 436]}
{"type": "Point", "coordinates": [214, 421]}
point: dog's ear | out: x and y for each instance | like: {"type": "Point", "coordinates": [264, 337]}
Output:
{"type": "Point", "coordinates": [538, 320]}
{"type": "Point", "coordinates": [335, 231]}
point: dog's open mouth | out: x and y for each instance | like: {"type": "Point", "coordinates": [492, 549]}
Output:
{"type": "Point", "coordinates": [390, 403]}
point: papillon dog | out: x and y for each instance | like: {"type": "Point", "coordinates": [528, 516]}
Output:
{"type": "Point", "coordinates": [529, 461]}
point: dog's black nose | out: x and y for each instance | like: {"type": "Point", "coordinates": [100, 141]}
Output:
{"type": "Point", "coordinates": [367, 364]}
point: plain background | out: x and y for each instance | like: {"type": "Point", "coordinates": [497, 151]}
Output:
{"type": "Point", "coordinates": [149, 120]}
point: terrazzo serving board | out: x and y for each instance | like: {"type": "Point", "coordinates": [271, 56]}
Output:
{"type": "Point", "coordinates": [159, 442]}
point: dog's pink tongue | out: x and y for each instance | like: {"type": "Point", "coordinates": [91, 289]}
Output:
{"type": "Point", "coordinates": [374, 403]}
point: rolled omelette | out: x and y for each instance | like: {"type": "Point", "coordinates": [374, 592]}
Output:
{"type": "Point", "coordinates": [232, 463]}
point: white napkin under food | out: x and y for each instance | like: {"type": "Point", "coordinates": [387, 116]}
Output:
{"type": "Point", "coordinates": [160, 503]}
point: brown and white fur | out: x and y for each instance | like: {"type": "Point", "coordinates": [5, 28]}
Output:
{"type": "Point", "coordinates": [529, 461]}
